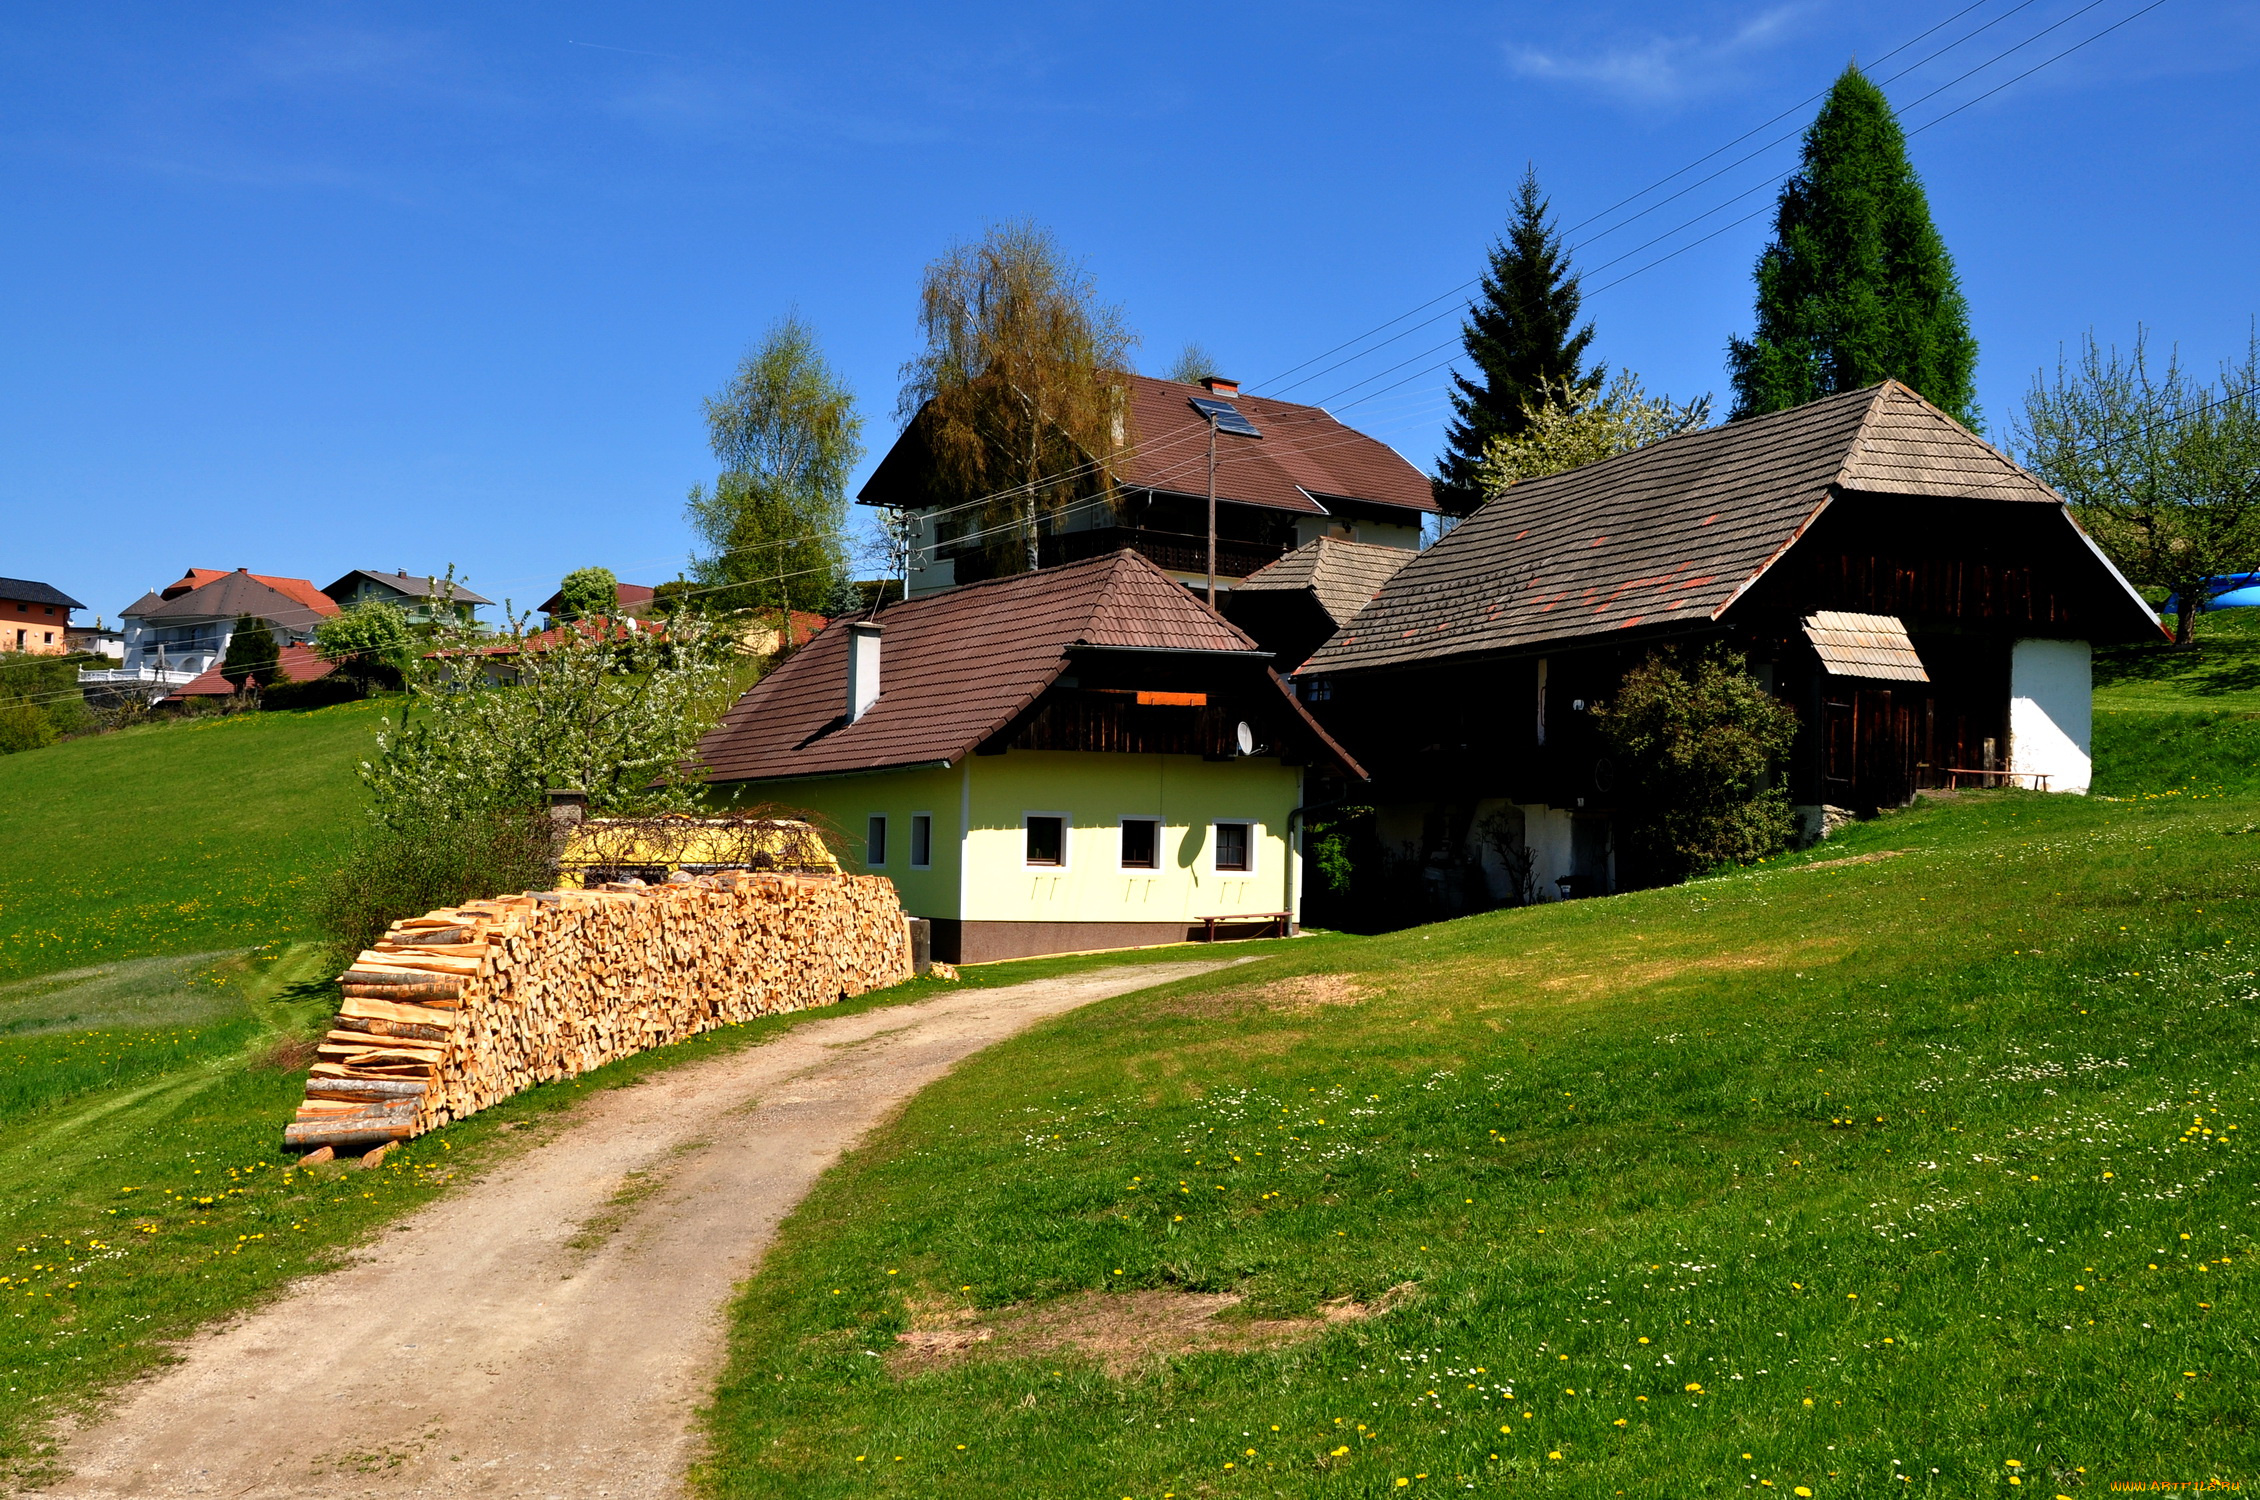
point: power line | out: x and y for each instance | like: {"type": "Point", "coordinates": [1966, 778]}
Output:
{"type": "Point", "coordinates": [1759, 187]}
{"type": "Point", "coordinates": [1730, 166]}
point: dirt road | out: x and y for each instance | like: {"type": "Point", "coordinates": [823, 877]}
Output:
{"type": "Point", "coordinates": [550, 1329]}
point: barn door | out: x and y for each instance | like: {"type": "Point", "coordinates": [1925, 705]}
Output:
{"type": "Point", "coordinates": [1889, 747]}
{"type": "Point", "coordinates": [1840, 758]}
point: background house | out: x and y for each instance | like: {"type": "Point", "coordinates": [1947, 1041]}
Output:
{"type": "Point", "coordinates": [419, 598]}
{"type": "Point", "coordinates": [635, 601]}
{"type": "Point", "coordinates": [1082, 757]}
{"type": "Point", "coordinates": [1925, 605]}
{"type": "Point", "coordinates": [175, 634]}
{"type": "Point", "coordinates": [1285, 475]}
{"type": "Point", "coordinates": [35, 618]}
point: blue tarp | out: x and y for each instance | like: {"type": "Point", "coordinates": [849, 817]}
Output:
{"type": "Point", "coordinates": [2223, 591]}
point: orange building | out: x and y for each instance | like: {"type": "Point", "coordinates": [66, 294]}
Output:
{"type": "Point", "coordinates": [35, 617]}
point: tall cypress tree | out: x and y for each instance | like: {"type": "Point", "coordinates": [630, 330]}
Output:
{"type": "Point", "coordinates": [1521, 334]}
{"type": "Point", "coordinates": [1857, 285]}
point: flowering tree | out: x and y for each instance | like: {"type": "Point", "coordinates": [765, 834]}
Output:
{"type": "Point", "coordinates": [1579, 424]}
{"type": "Point", "coordinates": [610, 708]}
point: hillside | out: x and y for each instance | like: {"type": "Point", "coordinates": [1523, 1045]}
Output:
{"type": "Point", "coordinates": [2174, 718]}
{"type": "Point", "coordinates": [175, 838]}
{"type": "Point", "coordinates": [1914, 1164]}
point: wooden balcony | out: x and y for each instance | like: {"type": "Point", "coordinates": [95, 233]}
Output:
{"type": "Point", "coordinates": [1176, 551]}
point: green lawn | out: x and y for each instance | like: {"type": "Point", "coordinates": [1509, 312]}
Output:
{"type": "Point", "coordinates": [1801, 1177]}
{"type": "Point", "coordinates": [2219, 670]}
{"type": "Point", "coordinates": [1835, 1135]}
{"type": "Point", "coordinates": [175, 838]}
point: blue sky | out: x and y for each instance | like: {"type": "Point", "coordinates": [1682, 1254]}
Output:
{"type": "Point", "coordinates": [321, 286]}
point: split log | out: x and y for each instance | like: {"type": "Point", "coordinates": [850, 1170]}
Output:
{"type": "Point", "coordinates": [346, 1134]}
{"type": "Point", "coordinates": [454, 1011]}
{"type": "Point", "coordinates": [366, 1090]}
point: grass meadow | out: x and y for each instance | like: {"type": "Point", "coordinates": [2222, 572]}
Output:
{"type": "Point", "coordinates": [1926, 1174]}
{"type": "Point", "coordinates": [1877, 1172]}
{"type": "Point", "coordinates": [174, 838]}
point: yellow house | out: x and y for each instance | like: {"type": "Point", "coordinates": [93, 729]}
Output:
{"type": "Point", "coordinates": [1083, 757]}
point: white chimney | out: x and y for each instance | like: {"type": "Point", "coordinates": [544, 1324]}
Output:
{"type": "Point", "coordinates": [863, 669]}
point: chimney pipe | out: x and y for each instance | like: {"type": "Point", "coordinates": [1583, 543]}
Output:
{"type": "Point", "coordinates": [863, 669]}
{"type": "Point", "coordinates": [1218, 386]}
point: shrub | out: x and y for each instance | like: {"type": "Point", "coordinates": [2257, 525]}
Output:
{"type": "Point", "coordinates": [40, 700]}
{"type": "Point", "coordinates": [23, 726]}
{"type": "Point", "coordinates": [405, 869]}
{"type": "Point", "coordinates": [252, 654]}
{"type": "Point", "coordinates": [587, 593]}
{"type": "Point", "coordinates": [370, 644]}
{"type": "Point", "coordinates": [1696, 740]}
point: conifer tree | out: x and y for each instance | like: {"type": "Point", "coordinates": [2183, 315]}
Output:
{"type": "Point", "coordinates": [253, 654]}
{"type": "Point", "coordinates": [1857, 285]}
{"type": "Point", "coordinates": [1522, 337]}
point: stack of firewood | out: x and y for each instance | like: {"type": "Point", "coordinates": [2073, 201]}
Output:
{"type": "Point", "coordinates": [454, 1011]}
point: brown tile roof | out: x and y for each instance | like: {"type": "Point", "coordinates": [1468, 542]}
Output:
{"type": "Point", "coordinates": [300, 589]}
{"type": "Point", "coordinates": [1342, 576]}
{"type": "Point", "coordinates": [1303, 453]}
{"type": "Point", "coordinates": [955, 667]}
{"type": "Point", "coordinates": [1671, 533]}
{"type": "Point", "coordinates": [227, 596]}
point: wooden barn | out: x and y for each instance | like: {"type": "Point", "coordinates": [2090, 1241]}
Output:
{"type": "Point", "coordinates": [1926, 605]}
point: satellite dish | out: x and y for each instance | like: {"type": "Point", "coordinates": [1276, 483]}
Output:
{"type": "Point", "coordinates": [1246, 738]}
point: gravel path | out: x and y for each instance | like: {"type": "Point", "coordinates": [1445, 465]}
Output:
{"type": "Point", "coordinates": [550, 1329]}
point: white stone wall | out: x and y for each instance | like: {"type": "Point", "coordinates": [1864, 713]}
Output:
{"type": "Point", "coordinates": [2052, 712]}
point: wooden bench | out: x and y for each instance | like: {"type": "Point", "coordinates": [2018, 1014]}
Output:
{"type": "Point", "coordinates": [1954, 777]}
{"type": "Point", "coordinates": [1269, 919]}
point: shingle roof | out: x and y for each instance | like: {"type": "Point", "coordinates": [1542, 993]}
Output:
{"type": "Point", "coordinates": [1303, 453]}
{"type": "Point", "coordinates": [234, 594]}
{"type": "Point", "coordinates": [1669, 533]}
{"type": "Point", "coordinates": [412, 585]}
{"type": "Point", "coordinates": [25, 591]}
{"type": "Point", "coordinates": [956, 667]}
{"type": "Point", "coordinates": [1861, 645]}
{"type": "Point", "coordinates": [1342, 576]}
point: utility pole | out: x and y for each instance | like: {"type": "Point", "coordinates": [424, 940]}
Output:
{"type": "Point", "coordinates": [1212, 516]}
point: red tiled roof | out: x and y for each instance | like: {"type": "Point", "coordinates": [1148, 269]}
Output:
{"type": "Point", "coordinates": [232, 595]}
{"type": "Point", "coordinates": [956, 667]}
{"type": "Point", "coordinates": [1303, 452]}
{"type": "Point", "coordinates": [630, 595]}
{"type": "Point", "coordinates": [300, 589]}
{"type": "Point", "coordinates": [299, 664]}
{"type": "Point", "coordinates": [542, 640]}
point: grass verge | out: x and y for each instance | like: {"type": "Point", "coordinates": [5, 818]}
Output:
{"type": "Point", "coordinates": [1864, 1172]}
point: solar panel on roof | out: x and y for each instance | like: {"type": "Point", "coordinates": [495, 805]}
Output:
{"type": "Point", "coordinates": [1228, 418]}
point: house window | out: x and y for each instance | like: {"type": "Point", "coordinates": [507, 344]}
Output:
{"type": "Point", "coordinates": [921, 841]}
{"type": "Point", "coordinates": [875, 842]}
{"type": "Point", "coordinates": [1141, 843]}
{"type": "Point", "coordinates": [1047, 840]}
{"type": "Point", "coordinates": [1235, 848]}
